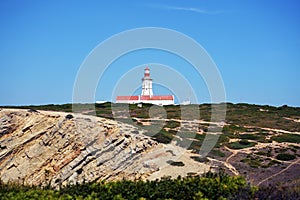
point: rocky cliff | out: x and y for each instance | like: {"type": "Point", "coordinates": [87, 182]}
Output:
{"type": "Point", "coordinates": [42, 147]}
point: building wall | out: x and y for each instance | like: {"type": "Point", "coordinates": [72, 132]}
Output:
{"type": "Point", "coordinates": [159, 102]}
{"type": "Point", "coordinates": [156, 102]}
{"type": "Point", "coordinates": [127, 101]}
{"type": "Point", "coordinates": [147, 87]}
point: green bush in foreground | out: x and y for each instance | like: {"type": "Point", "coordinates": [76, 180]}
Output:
{"type": "Point", "coordinates": [208, 186]}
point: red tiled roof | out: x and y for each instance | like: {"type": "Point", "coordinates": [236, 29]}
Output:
{"type": "Point", "coordinates": [158, 97]}
{"type": "Point", "coordinates": [127, 98]}
{"type": "Point", "coordinates": [145, 98]}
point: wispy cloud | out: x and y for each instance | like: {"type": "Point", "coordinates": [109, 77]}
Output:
{"type": "Point", "coordinates": [188, 9]}
{"type": "Point", "coordinates": [193, 9]}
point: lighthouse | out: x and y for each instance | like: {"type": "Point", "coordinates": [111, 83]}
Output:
{"type": "Point", "coordinates": [147, 83]}
{"type": "Point", "coordinates": [147, 94]}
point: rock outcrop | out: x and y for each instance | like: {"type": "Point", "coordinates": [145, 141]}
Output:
{"type": "Point", "coordinates": [43, 147]}
{"type": "Point", "coordinates": [39, 147]}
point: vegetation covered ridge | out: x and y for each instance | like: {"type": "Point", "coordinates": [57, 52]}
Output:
{"type": "Point", "coordinates": [242, 114]}
{"type": "Point", "coordinates": [207, 186]}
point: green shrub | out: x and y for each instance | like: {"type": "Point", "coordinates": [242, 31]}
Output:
{"type": "Point", "coordinates": [233, 129]}
{"type": "Point", "coordinates": [200, 159]}
{"type": "Point", "coordinates": [252, 162]}
{"type": "Point", "coordinates": [292, 138]}
{"type": "Point", "coordinates": [241, 144]}
{"type": "Point", "coordinates": [244, 142]}
{"type": "Point", "coordinates": [285, 156]}
{"type": "Point", "coordinates": [261, 153]}
{"type": "Point", "coordinates": [174, 163]}
{"type": "Point", "coordinates": [172, 124]}
{"type": "Point", "coordinates": [162, 136]}
{"type": "Point", "coordinates": [250, 136]}
{"type": "Point", "coordinates": [195, 145]}
{"type": "Point", "coordinates": [271, 163]}
{"type": "Point", "coordinates": [217, 152]}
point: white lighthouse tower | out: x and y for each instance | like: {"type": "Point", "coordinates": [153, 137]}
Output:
{"type": "Point", "coordinates": [147, 94]}
{"type": "Point", "coordinates": [147, 83]}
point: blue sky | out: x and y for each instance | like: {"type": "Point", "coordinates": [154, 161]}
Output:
{"type": "Point", "coordinates": [255, 45]}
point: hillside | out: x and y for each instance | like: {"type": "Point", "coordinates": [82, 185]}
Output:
{"type": "Point", "coordinates": [261, 143]}
{"type": "Point", "coordinates": [56, 148]}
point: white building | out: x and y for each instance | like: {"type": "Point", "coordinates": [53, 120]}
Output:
{"type": "Point", "coordinates": [147, 94]}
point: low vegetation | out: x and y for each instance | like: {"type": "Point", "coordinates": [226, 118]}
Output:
{"type": "Point", "coordinates": [175, 163]}
{"type": "Point", "coordinates": [208, 186]}
{"type": "Point", "coordinates": [238, 114]}
{"type": "Point", "coordinates": [241, 144]}
{"type": "Point", "coordinates": [217, 152]}
{"type": "Point", "coordinates": [285, 156]}
{"type": "Point", "coordinates": [292, 138]}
